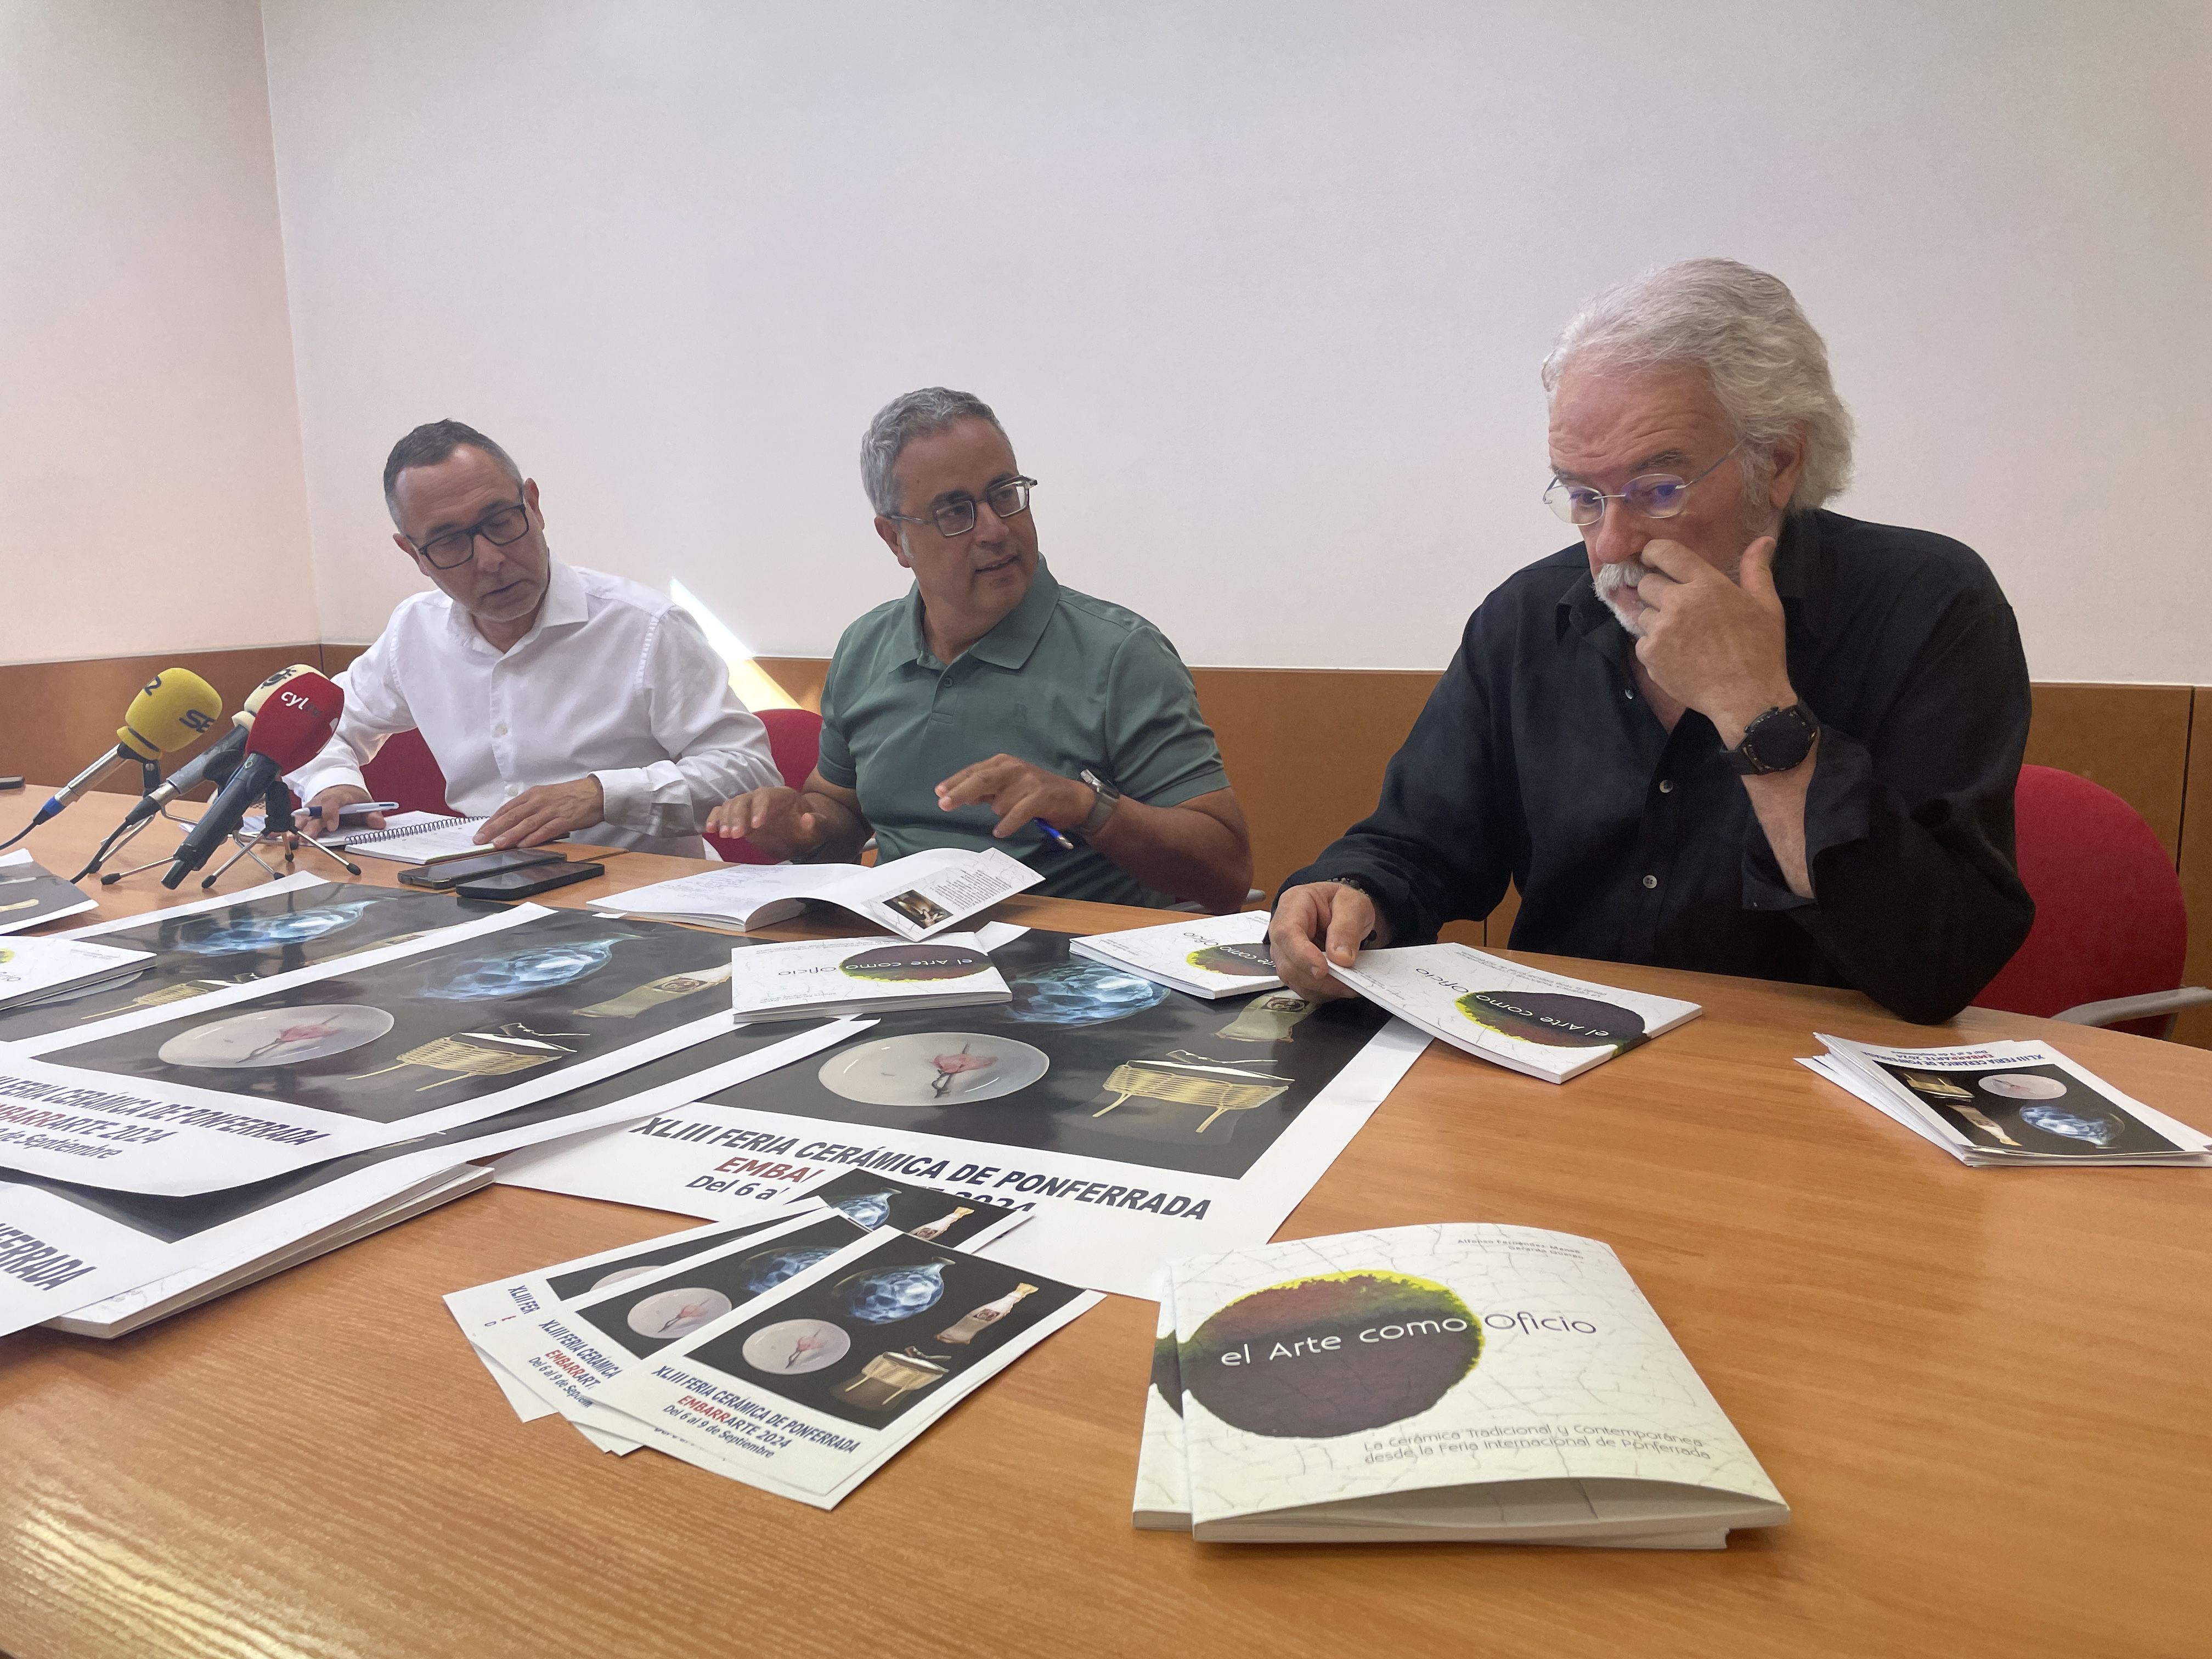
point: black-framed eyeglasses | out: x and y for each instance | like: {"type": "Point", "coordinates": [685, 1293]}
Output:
{"type": "Point", "coordinates": [501, 526]}
{"type": "Point", "coordinates": [956, 517]}
{"type": "Point", "coordinates": [1654, 495]}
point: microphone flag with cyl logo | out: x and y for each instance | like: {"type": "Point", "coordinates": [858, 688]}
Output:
{"type": "Point", "coordinates": [293, 723]}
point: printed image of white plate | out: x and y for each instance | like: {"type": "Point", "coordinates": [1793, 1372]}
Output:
{"type": "Point", "coordinates": [793, 1347]}
{"type": "Point", "coordinates": [933, 1068]}
{"type": "Point", "coordinates": [677, 1313]}
{"type": "Point", "coordinates": [2022, 1085]}
{"type": "Point", "coordinates": [619, 1276]}
{"type": "Point", "coordinates": [276, 1036]}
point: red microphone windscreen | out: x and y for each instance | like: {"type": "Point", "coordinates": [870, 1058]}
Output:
{"type": "Point", "coordinates": [296, 721]}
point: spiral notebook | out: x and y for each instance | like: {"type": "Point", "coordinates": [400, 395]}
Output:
{"type": "Point", "coordinates": [413, 838]}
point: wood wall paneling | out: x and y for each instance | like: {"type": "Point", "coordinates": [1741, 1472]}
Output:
{"type": "Point", "coordinates": [2194, 1027]}
{"type": "Point", "coordinates": [2133, 740]}
{"type": "Point", "coordinates": [59, 716]}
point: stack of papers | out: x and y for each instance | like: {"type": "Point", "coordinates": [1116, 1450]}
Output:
{"type": "Point", "coordinates": [31, 969]}
{"type": "Point", "coordinates": [819, 977]}
{"type": "Point", "coordinates": [914, 897]}
{"type": "Point", "coordinates": [1995, 1104]}
{"type": "Point", "coordinates": [1208, 957]}
{"type": "Point", "coordinates": [798, 1353]}
{"type": "Point", "coordinates": [1538, 1023]}
{"type": "Point", "coordinates": [1484, 1383]}
{"type": "Point", "coordinates": [31, 894]}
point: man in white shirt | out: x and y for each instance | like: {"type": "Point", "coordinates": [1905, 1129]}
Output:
{"type": "Point", "coordinates": [556, 701]}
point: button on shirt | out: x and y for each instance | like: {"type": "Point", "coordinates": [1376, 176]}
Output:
{"type": "Point", "coordinates": [1535, 761]}
{"type": "Point", "coordinates": [1064, 681]}
{"type": "Point", "coordinates": [613, 680]}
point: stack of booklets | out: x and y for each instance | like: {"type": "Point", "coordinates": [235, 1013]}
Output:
{"type": "Point", "coordinates": [915, 897]}
{"type": "Point", "coordinates": [1469, 1382]}
{"type": "Point", "coordinates": [32, 969]}
{"type": "Point", "coordinates": [2000, 1104]}
{"type": "Point", "coordinates": [1538, 1023]}
{"type": "Point", "coordinates": [819, 977]}
{"type": "Point", "coordinates": [31, 894]}
{"type": "Point", "coordinates": [1206, 957]}
{"type": "Point", "coordinates": [799, 1352]}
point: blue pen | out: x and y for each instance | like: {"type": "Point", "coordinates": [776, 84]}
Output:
{"type": "Point", "coordinates": [1053, 835]}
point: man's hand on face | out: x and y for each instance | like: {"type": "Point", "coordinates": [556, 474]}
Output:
{"type": "Point", "coordinates": [1017, 792]}
{"type": "Point", "coordinates": [780, 822]}
{"type": "Point", "coordinates": [1717, 646]}
{"type": "Point", "coordinates": [545, 813]}
{"type": "Point", "coordinates": [1324, 915]}
{"type": "Point", "coordinates": [320, 816]}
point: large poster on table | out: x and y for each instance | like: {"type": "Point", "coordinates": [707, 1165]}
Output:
{"type": "Point", "coordinates": [69, 1248]}
{"type": "Point", "coordinates": [233, 939]}
{"type": "Point", "coordinates": [1140, 1124]}
{"type": "Point", "coordinates": [411, 1039]}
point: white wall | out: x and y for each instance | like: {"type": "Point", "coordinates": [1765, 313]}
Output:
{"type": "Point", "coordinates": [1259, 287]}
{"type": "Point", "coordinates": [151, 492]}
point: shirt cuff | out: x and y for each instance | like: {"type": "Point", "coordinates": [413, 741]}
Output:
{"type": "Point", "coordinates": [318, 774]}
{"type": "Point", "coordinates": [1839, 810]}
{"type": "Point", "coordinates": [1185, 789]}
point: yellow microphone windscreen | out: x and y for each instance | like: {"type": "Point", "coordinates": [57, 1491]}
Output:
{"type": "Point", "coordinates": [173, 708]}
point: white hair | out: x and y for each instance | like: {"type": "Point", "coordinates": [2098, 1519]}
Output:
{"type": "Point", "coordinates": [1768, 365]}
{"type": "Point", "coordinates": [898, 422]}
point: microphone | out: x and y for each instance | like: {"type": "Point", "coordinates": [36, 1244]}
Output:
{"type": "Point", "coordinates": [290, 730]}
{"type": "Point", "coordinates": [219, 759]}
{"type": "Point", "coordinates": [171, 710]}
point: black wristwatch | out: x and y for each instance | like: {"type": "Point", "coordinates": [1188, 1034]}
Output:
{"type": "Point", "coordinates": [1777, 741]}
{"type": "Point", "coordinates": [1103, 808]}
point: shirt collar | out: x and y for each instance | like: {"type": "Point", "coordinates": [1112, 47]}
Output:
{"type": "Point", "coordinates": [565, 605]}
{"type": "Point", "coordinates": [1009, 644]}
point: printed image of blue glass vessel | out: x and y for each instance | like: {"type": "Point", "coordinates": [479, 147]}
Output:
{"type": "Point", "coordinates": [1079, 993]}
{"type": "Point", "coordinates": [518, 973]}
{"type": "Point", "coordinates": [869, 1210]}
{"type": "Point", "coordinates": [887, 1295]}
{"type": "Point", "coordinates": [2093, 1128]}
{"type": "Point", "coordinates": [770, 1268]}
{"type": "Point", "coordinates": [266, 933]}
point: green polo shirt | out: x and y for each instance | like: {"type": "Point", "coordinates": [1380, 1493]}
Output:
{"type": "Point", "coordinates": [1064, 681]}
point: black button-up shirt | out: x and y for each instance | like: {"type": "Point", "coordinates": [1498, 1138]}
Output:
{"type": "Point", "coordinates": [1537, 759]}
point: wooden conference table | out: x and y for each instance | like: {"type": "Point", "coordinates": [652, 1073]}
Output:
{"type": "Point", "coordinates": [1984, 1394]}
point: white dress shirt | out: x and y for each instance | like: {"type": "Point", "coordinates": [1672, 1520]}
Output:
{"type": "Point", "coordinates": [614, 680]}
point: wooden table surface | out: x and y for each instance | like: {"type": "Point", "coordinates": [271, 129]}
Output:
{"type": "Point", "coordinates": [1984, 1392]}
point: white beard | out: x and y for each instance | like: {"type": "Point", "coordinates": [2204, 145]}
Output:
{"type": "Point", "coordinates": [1610, 580]}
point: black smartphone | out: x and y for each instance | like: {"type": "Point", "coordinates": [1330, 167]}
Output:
{"type": "Point", "coordinates": [528, 883]}
{"type": "Point", "coordinates": [475, 866]}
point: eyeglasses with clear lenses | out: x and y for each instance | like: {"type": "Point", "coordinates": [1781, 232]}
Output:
{"type": "Point", "coordinates": [956, 517]}
{"type": "Point", "coordinates": [1653, 495]}
{"type": "Point", "coordinates": [501, 526]}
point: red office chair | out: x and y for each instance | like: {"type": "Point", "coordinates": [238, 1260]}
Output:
{"type": "Point", "coordinates": [404, 770]}
{"type": "Point", "coordinates": [795, 738]}
{"type": "Point", "coordinates": [2111, 930]}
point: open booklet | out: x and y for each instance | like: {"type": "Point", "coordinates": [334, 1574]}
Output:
{"type": "Point", "coordinates": [1994, 1104]}
{"type": "Point", "coordinates": [915, 897]}
{"type": "Point", "coordinates": [817, 977]}
{"type": "Point", "coordinates": [1469, 1382]}
{"type": "Point", "coordinates": [1207, 956]}
{"type": "Point", "coordinates": [31, 969]}
{"type": "Point", "coordinates": [1544, 1025]}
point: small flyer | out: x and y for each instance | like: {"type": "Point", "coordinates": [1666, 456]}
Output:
{"type": "Point", "coordinates": [816, 978]}
{"type": "Point", "coordinates": [810, 1389]}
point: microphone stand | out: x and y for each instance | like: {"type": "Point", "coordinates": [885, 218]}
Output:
{"type": "Point", "coordinates": [277, 809]}
{"type": "Point", "coordinates": [150, 780]}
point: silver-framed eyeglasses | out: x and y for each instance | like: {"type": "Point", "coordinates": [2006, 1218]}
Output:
{"type": "Point", "coordinates": [956, 516]}
{"type": "Point", "coordinates": [1654, 495]}
{"type": "Point", "coordinates": [502, 527]}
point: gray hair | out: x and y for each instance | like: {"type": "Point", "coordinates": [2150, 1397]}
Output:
{"type": "Point", "coordinates": [433, 442]}
{"type": "Point", "coordinates": [1768, 365]}
{"type": "Point", "coordinates": [898, 422]}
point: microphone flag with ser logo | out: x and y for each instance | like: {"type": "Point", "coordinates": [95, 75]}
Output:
{"type": "Point", "coordinates": [173, 709]}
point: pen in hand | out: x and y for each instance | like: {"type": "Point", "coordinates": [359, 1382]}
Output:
{"type": "Point", "coordinates": [1053, 835]}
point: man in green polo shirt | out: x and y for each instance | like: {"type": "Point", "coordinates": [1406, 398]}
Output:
{"type": "Point", "coordinates": [993, 707]}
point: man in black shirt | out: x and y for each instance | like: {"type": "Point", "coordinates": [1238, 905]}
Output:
{"type": "Point", "coordinates": [1732, 732]}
